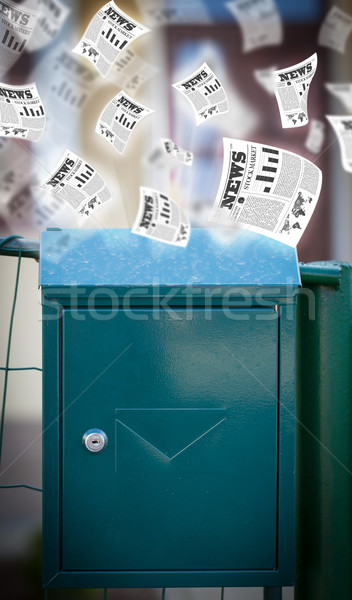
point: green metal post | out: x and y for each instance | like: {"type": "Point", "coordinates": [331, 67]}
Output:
{"type": "Point", "coordinates": [324, 433]}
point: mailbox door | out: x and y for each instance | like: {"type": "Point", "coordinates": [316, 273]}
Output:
{"type": "Point", "coordinates": [188, 401]}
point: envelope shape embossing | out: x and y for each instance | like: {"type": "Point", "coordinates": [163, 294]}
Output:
{"type": "Point", "coordinates": [164, 433]}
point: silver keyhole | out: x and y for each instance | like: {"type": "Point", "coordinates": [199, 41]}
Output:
{"type": "Point", "coordinates": [95, 440]}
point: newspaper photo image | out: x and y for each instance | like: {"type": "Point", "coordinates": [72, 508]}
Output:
{"type": "Point", "coordinates": [342, 91]}
{"type": "Point", "coordinates": [22, 112]}
{"type": "Point", "coordinates": [335, 30]}
{"type": "Point", "coordinates": [109, 32]}
{"type": "Point", "coordinates": [265, 189]}
{"type": "Point", "coordinates": [316, 135]}
{"type": "Point", "coordinates": [17, 23]}
{"type": "Point", "coordinates": [130, 71]}
{"type": "Point", "coordinates": [291, 91]}
{"type": "Point", "coordinates": [79, 184]}
{"type": "Point", "coordinates": [51, 16]}
{"type": "Point", "coordinates": [174, 151]}
{"type": "Point", "coordinates": [160, 218]}
{"type": "Point", "coordinates": [342, 125]}
{"type": "Point", "coordinates": [260, 23]}
{"type": "Point", "coordinates": [205, 93]}
{"type": "Point", "coordinates": [118, 119]}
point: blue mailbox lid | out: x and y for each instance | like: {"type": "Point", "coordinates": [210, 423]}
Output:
{"type": "Point", "coordinates": [118, 258]}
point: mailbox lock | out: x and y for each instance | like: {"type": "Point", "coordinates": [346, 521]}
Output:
{"type": "Point", "coordinates": [95, 440]}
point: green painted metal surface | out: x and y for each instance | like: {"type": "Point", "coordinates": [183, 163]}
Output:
{"type": "Point", "coordinates": [324, 428]}
{"type": "Point", "coordinates": [190, 447]}
{"type": "Point", "coordinates": [196, 484]}
{"type": "Point", "coordinates": [15, 245]}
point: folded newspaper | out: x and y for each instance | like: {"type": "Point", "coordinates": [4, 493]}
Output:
{"type": "Point", "coordinates": [109, 32]}
{"type": "Point", "coordinates": [160, 218]}
{"type": "Point", "coordinates": [51, 16]}
{"type": "Point", "coordinates": [79, 184]}
{"type": "Point", "coordinates": [22, 112]}
{"type": "Point", "coordinates": [335, 29]}
{"type": "Point", "coordinates": [342, 126]}
{"type": "Point", "coordinates": [291, 91]}
{"type": "Point", "coordinates": [205, 93]}
{"type": "Point", "coordinates": [118, 119]}
{"type": "Point", "coordinates": [16, 27]}
{"type": "Point", "coordinates": [173, 150]}
{"type": "Point", "coordinates": [260, 22]}
{"type": "Point", "coordinates": [266, 189]}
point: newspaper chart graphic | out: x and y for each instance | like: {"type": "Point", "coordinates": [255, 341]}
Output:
{"type": "Point", "coordinates": [266, 189]}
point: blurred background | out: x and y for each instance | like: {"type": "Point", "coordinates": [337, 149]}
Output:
{"type": "Point", "coordinates": [184, 34]}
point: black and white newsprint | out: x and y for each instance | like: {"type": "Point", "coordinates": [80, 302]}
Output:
{"type": "Point", "coordinates": [130, 71]}
{"type": "Point", "coordinates": [16, 27]}
{"type": "Point", "coordinates": [119, 118]}
{"type": "Point", "coordinates": [260, 22]}
{"type": "Point", "coordinates": [266, 189]}
{"type": "Point", "coordinates": [342, 91]}
{"type": "Point", "coordinates": [79, 184]}
{"type": "Point", "coordinates": [109, 32]}
{"type": "Point", "coordinates": [22, 112]}
{"type": "Point", "coordinates": [205, 93]}
{"type": "Point", "coordinates": [51, 17]}
{"type": "Point", "coordinates": [174, 151]}
{"type": "Point", "coordinates": [291, 91]}
{"type": "Point", "coordinates": [335, 29]}
{"type": "Point", "coordinates": [342, 126]}
{"type": "Point", "coordinates": [160, 218]}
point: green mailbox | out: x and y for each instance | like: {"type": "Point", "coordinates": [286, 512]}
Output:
{"type": "Point", "coordinates": [168, 410]}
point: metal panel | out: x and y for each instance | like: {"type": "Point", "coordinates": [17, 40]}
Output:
{"type": "Point", "coordinates": [50, 441]}
{"type": "Point", "coordinates": [324, 447]}
{"type": "Point", "coordinates": [190, 410]}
